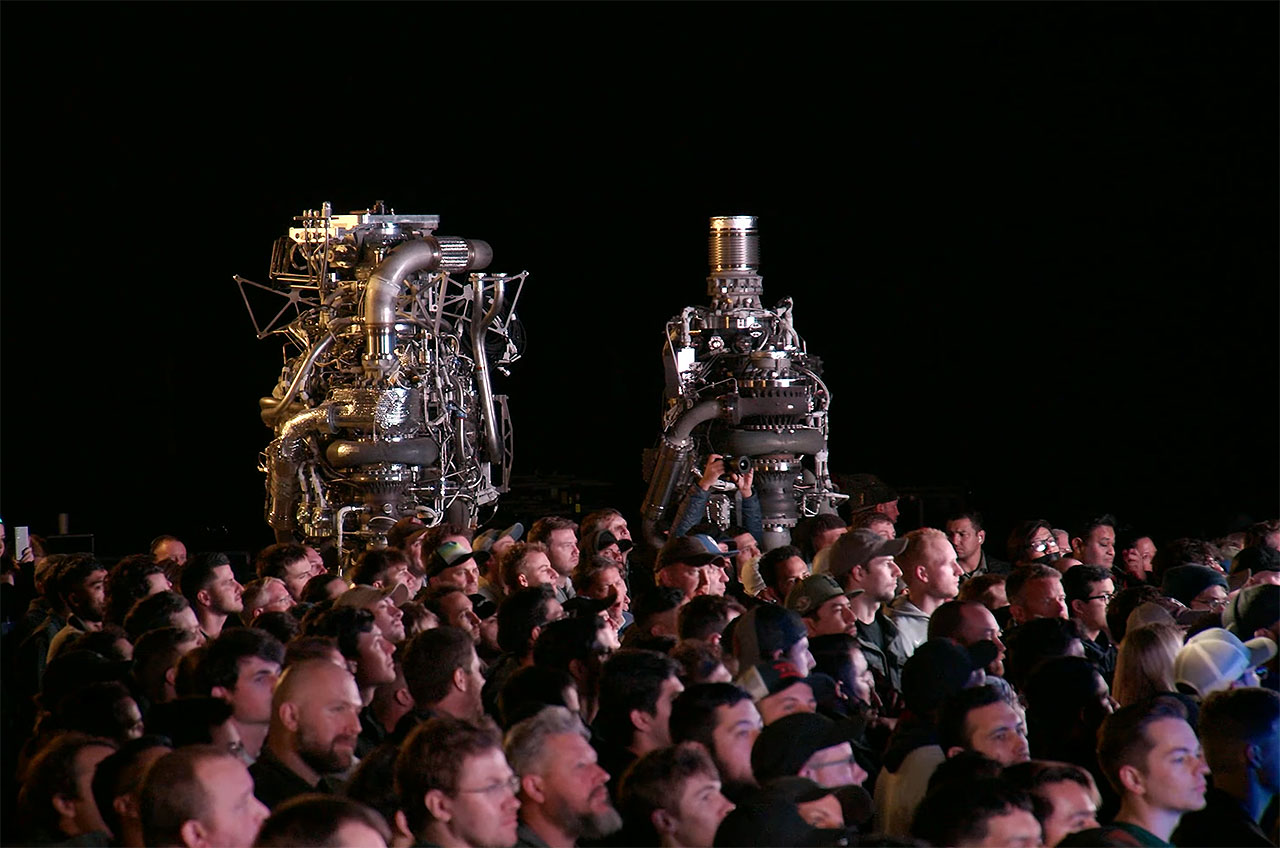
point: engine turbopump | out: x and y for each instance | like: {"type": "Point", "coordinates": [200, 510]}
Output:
{"type": "Point", "coordinates": [740, 381]}
{"type": "Point", "coordinates": [385, 409]}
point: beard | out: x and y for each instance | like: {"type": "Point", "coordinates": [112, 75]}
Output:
{"type": "Point", "coordinates": [325, 759]}
{"type": "Point", "coordinates": [588, 825]}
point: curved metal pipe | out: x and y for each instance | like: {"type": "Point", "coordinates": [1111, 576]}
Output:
{"type": "Point", "coordinates": [304, 370]}
{"type": "Point", "coordinates": [284, 456]}
{"type": "Point", "coordinates": [675, 458]}
{"type": "Point", "coordinates": [345, 453]}
{"type": "Point", "coordinates": [383, 289]}
{"type": "Point", "coordinates": [480, 326]}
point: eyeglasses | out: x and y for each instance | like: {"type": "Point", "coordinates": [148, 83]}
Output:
{"type": "Point", "coordinates": [511, 784]}
{"type": "Point", "coordinates": [1042, 545]}
{"type": "Point", "coordinates": [1105, 596]}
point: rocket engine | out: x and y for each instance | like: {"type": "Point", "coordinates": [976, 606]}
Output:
{"type": "Point", "coordinates": [740, 382]}
{"type": "Point", "coordinates": [384, 408]}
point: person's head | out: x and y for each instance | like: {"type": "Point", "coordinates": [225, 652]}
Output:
{"type": "Point", "coordinates": [315, 715]}
{"type": "Point", "coordinates": [1032, 541]}
{"type": "Point", "coordinates": [1137, 553]}
{"type": "Point", "coordinates": [162, 609]}
{"type": "Point", "coordinates": [531, 688]}
{"type": "Point", "coordinates": [655, 610]}
{"type": "Point", "coordinates": [1088, 589]}
{"type": "Point", "coordinates": [969, 622]}
{"type": "Point", "coordinates": [361, 642]}
{"type": "Point", "coordinates": [155, 660]}
{"type": "Point", "coordinates": [1096, 542]}
{"type": "Point", "coordinates": [326, 586]}
{"type": "Point", "coordinates": [263, 595]}
{"type": "Point", "coordinates": [817, 532]}
{"type": "Point", "coordinates": [200, 796]}
{"type": "Point", "coordinates": [196, 720]}
{"type": "Point", "coordinates": [443, 672]}
{"type": "Point", "coordinates": [452, 777]}
{"type": "Point", "coordinates": [560, 535]}
{"type": "Point", "coordinates": [1148, 752]}
{"type": "Point", "coordinates": [778, 689]}
{"type": "Point", "coordinates": [863, 560]}
{"type": "Point", "coordinates": [105, 709]}
{"type": "Point", "coordinates": [56, 799]}
{"type": "Point", "coordinates": [380, 568]}
{"type": "Point", "coordinates": [723, 718]}
{"type": "Point", "coordinates": [527, 564]}
{"type": "Point", "coordinates": [939, 668]}
{"type": "Point", "coordinates": [823, 605]}
{"type": "Point", "coordinates": [980, 719]}
{"type": "Point", "coordinates": [966, 534]}
{"type": "Point", "coordinates": [1215, 658]}
{"type": "Point", "coordinates": [1066, 699]}
{"type": "Point", "coordinates": [599, 578]}
{"type": "Point", "coordinates": [840, 657]}
{"type": "Point", "coordinates": [453, 608]}
{"type": "Point", "coordinates": [876, 522]}
{"type": "Point", "coordinates": [1035, 591]}
{"type": "Point", "coordinates": [705, 617]}
{"type": "Point", "coordinates": [929, 566]}
{"type": "Point", "coordinates": [242, 665]}
{"type": "Point", "coordinates": [324, 821]}
{"type": "Point", "coordinates": [605, 532]}
{"type": "Point", "coordinates": [80, 583]}
{"type": "Point", "coordinates": [559, 776]}
{"type": "Point", "coordinates": [522, 615]}
{"type": "Point", "coordinates": [289, 562]}
{"type": "Point", "coordinates": [1197, 586]}
{"type": "Point", "coordinates": [1241, 739]}
{"type": "Point", "coordinates": [688, 563]}
{"type": "Point", "coordinates": [987, 813]}
{"type": "Point", "coordinates": [636, 691]}
{"type": "Point", "coordinates": [1036, 641]}
{"type": "Point", "coordinates": [781, 568]}
{"type": "Point", "coordinates": [1185, 551]}
{"type": "Point", "coordinates": [808, 745]}
{"type": "Point", "coordinates": [701, 662]}
{"type": "Point", "coordinates": [769, 632]}
{"type": "Point", "coordinates": [673, 794]}
{"type": "Point", "coordinates": [209, 584]}
{"type": "Point", "coordinates": [384, 603]}
{"type": "Point", "coordinates": [1144, 662]}
{"type": "Point", "coordinates": [117, 781]}
{"type": "Point", "coordinates": [111, 642]}
{"type": "Point", "coordinates": [131, 579]}
{"type": "Point", "coordinates": [324, 648]}
{"type": "Point", "coordinates": [1067, 796]}
{"type": "Point", "coordinates": [578, 645]}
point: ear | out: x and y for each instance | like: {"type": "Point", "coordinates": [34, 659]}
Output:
{"type": "Point", "coordinates": [981, 536]}
{"type": "Point", "coordinates": [289, 716]}
{"type": "Point", "coordinates": [460, 679]}
{"type": "Point", "coordinates": [65, 806]}
{"type": "Point", "coordinates": [523, 581]}
{"type": "Point", "coordinates": [663, 822]}
{"type": "Point", "coordinates": [377, 584]}
{"type": "Point", "coordinates": [215, 691]}
{"type": "Point", "coordinates": [403, 698]}
{"type": "Point", "coordinates": [1017, 613]}
{"type": "Point", "coordinates": [204, 598]}
{"type": "Point", "coordinates": [922, 574]}
{"type": "Point", "coordinates": [809, 625]}
{"type": "Point", "coordinates": [1132, 780]}
{"type": "Point", "coordinates": [171, 676]}
{"type": "Point", "coordinates": [126, 806]}
{"type": "Point", "coordinates": [1253, 756]}
{"type": "Point", "coordinates": [714, 639]}
{"type": "Point", "coordinates": [400, 825]}
{"type": "Point", "coordinates": [1075, 610]}
{"type": "Point", "coordinates": [641, 720]}
{"type": "Point", "coordinates": [534, 634]}
{"type": "Point", "coordinates": [953, 750]}
{"type": "Point", "coordinates": [577, 670]}
{"type": "Point", "coordinates": [439, 805]}
{"type": "Point", "coordinates": [193, 834]}
{"type": "Point", "coordinates": [1077, 545]}
{"type": "Point", "coordinates": [534, 788]}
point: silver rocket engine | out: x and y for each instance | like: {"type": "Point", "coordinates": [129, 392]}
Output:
{"type": "Point", "coordinates": [384, 408]}
{"type": "Point", "coordinates": [740, 381]}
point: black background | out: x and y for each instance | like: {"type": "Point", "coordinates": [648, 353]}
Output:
{"type": "Point", "coordinates": [1034, 243]}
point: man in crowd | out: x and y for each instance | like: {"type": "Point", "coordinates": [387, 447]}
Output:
{"type": "Point", "coordinates": [1088, 589]}
{"type": "Point", "coordinates": [723, 718]}
{"type": "Point", "coordinates": [780, 569]}
{"type": "Point", "coordinates": [117, 786]}
{"type": "Point", "coordinates": [672, 797]}
{"type": "Point", "coordinates": [383, 602]}
{"type": "Point", "coordinates": [289, 562]}
{"type": "Point", "coordinates": [1068, 798]}
{"type": "Point", "coordinates": [169, 548]}
{"type": "Point", "coordinates": [210, 586]}
{"type": "Point", "coordinates": [637, 688]}
{"type": "Point", "coordinates": [56, 799]}
{"type": "Point", "coordinates": [967, 536]}
{"type": "Point", "coordinates": [444, 677]}
{"type": "Point", "coordinates": [564, 792]}
{"type": "Point", "coordinates": [200, 796]}
{"type": "Point", "coordinates": [693, 564]}
{"type": "Point", "coordinates": [600, 578]}
{"type": "Point", "coordinates": [981, 719]}
{"type": "Point", "coordinates": [823, 605]}
{"type": "Point", "coordinates": [1035, 591]}
{"type": "Point", "coordinates": [560, 535]}
{"type": "Point", "coordinates": [1096, 544]}
{"type": "Point", "coordinates": [242, 666]}
{"type": "Point", "coordinates": [932, 575]}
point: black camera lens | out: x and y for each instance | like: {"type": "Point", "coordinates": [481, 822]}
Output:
{"type": "Point", "coordinates": [736, 464]}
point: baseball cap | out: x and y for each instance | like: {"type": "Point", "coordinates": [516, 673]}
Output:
{"type": "Point", "coordinates": [447, 556]}
{"type": "Point", "coordinates": [405, 531]}
{"type": "Point", "coordinates": [482, 606]}
{"type": "Point", "coordinates": [606, 538]}
{"type": "Point", "coordinates": [696, 549]}
{"type": "Point", "coordinates": [784, 746]}
{"type": "Point", "coordinates": [362, 596]}
{"type": "Point", "coordinates": [763, 629]}
{"type": "Point", "coordinates": [940, 668]}
{"type": "Point", "coordinates": [769, 678]}
{"type": "Point", "coordinates": [581, 605]}
{"type": "Point", "coordinates": [1252, 609]}
{"type": "Point", "coordinates": [858, 547]}
{"type": "Point", "coordinates": [485, 540]}
{"type": "Point", "coordinates": [1214, 659]}
{"type": "Point", "coordinates": [814, 591]}
{"type": "Point", "coordinates": [1256, 558]}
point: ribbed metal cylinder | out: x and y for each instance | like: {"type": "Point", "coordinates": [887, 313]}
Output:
{"type": "Point", "coordinates": [734, 244]}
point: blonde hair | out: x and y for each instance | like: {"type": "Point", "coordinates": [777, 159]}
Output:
{"type": "Point", "coordinates": [1144, 663]}
{"type": "Point", "coordinates": [916, 553]}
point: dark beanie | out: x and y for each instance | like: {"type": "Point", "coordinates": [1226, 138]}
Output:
{"type": "Point", "coordinates": [1184, 582]}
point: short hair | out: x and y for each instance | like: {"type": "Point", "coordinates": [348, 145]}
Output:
{"type": "Point", "coordinates": [197, 574]}
{"type": "Point", "coordinates": [530, 689]}
{"type": "Point", "coordinates": [376, 564]}
{"type": "Point", "coordinates": [345, 625]}
{"type": "Point", "coordinates": [697, 660]}
{"type": "Point", "coordinates": [570, 638]}
{"type": "Point", "coordinates": [975, 518]}
{"type": "Point", "coordinates": [255, 592]}
{"type": "Point", "coordinates": [99, 710]}
{"type": "Point", "coordinates": [953, 715]}
{"type": "Point", "coordinates": [1061, 693]}
{"type": "Point", "coordinates": [1183, 551]}
{"type": "Point", "coordinates": [1123, 738]}
{"type": "Point", "coordinates": [154, 611]}
{"type": "Point", "coordinates": [121, 773]}
{"type": "Point", "coordinates": [160, 540]}
{"type": "Point", "coordinates": [431, 658]}
{"type": "Point", "coordinates": [958, 815]}
{"type": "Point", "coordinates": [172, 793]}
{"type": "Point", "coordinates": [432, 757]}
{"type": "Point", "coordinates": [631, 679]}
{"type": "Point", "coordinates": [372, 782]}
{"type": "Point", "coordinates": [316, 588]}
{"type": "Point", "coordinates": [1232, 719]}
{"type": "Point", "coordinates": [654, 601]}
{"type": "Point", "coordinates": [279, 623]}
{"type": "Point", "coordinates": [978, 588]}
{"type": "Point", "coordinates": [190, 719]}
{"type": "Point", "coordinates": [302, 648]}
{"type": "Point", "coordinates": [1020, 537]}
{"type": "Point", "coordinates": [588, 569]}
{"type": "Point", "coordinates": [101, 642]}
{"type": "Point", "coordinates": [655, 781]}
{"type": "Point", "coordinates": [221, 663]}
{"type": "Point", "coordinates": [314, 819]}
{"type": "Point", "coordinates": [433, 599]}
{"type": "Point", "coordinates": [947, 620]}
{"type": "Point", "coordinates": [1093, 522]}
{"type": "Point", "coordinates": [693, 712]}
{"type": "Point", "coordinates": [768, 563]}
{"type": "Point", "coordinates": [127, 584]}
{"type": "Point", "coordinates": [912, 555]}
{"type": "Point", "coordinates": [526, 741]}
{"type": "Point", "coordinates": [513, 558]}
{"type": "Point", "coordinates": [964, 768]}
{"type": "Point", "coordinates": [1034, 642]}
{"type": "Point", "coordinates": [864, 519]}
{"type": "Point", "coordinates": [808, 528]}
{"type": "Point", "coordinates": [190, 677]}
{"type": "Point", "coordinates": [1017, 580]}
{"type": "Point", "coordinates": [1033, 776]}
{"type": "Point", "coordinates": [705, 615]}
{"type": "Point", "coordinates": [52, 772]}
{"type": "Point", "coordinates": [73, 571]}
{"type": "Point", "coordinates": [520, 613]}
{"type": "Point", "coordinates": [831, 657]}
{"type": "Point", "coordinates": [155, 652]}
{"type": "Point", "coordinates": [1076, 582]}
{"type": "Point", "coordinates": [546, 525]}
{"type": "Point", "coordinates": [274, 559]}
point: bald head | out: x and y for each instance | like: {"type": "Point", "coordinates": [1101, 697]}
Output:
{"type": "Point", "coordinates": [315, 718]}
{"type": "Point", "coordinates": [310, 680]}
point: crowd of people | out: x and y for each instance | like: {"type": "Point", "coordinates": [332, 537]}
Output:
{"type": "Point", "coordinates": [563, 686]}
